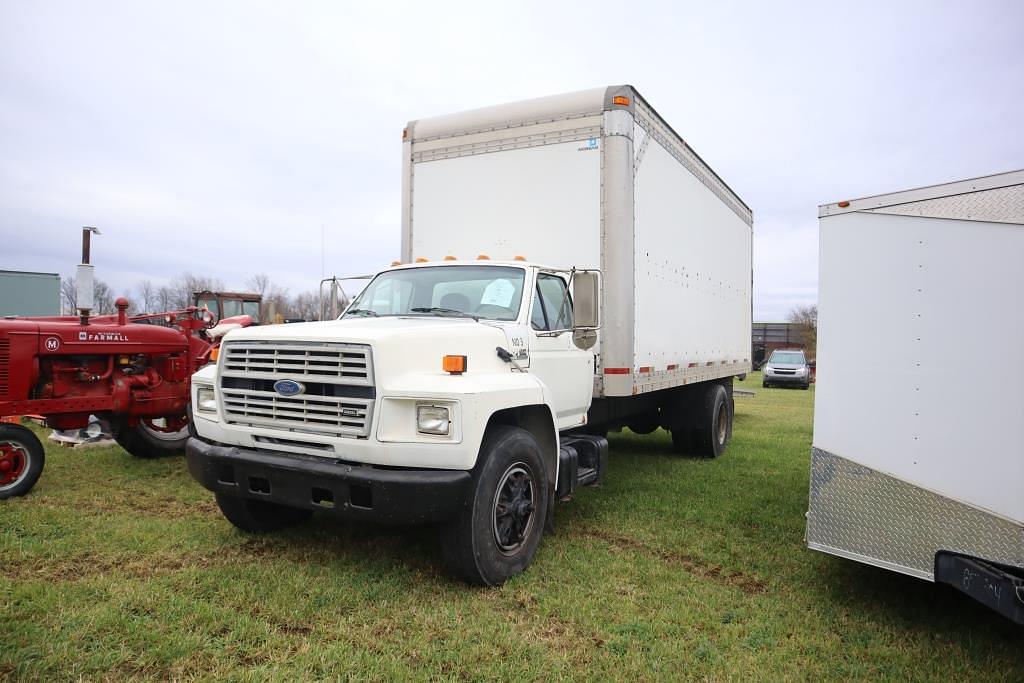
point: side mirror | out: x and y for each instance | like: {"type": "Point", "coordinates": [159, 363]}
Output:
{"type": "Point", "coordinates": [586, 294]}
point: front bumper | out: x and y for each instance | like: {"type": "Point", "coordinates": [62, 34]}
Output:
{"type": "Point", "coordinates": [387, 496]}
{"type": "Point", "coordinates": [798, 380]}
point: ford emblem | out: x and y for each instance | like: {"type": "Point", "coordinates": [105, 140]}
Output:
{"type": "Point", "coordinates": [288, 387]}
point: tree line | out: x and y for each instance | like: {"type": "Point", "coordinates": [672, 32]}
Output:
{"type": "Point", "coordinates": [148, 297]}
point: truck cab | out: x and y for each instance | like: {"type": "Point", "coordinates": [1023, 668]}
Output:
{"type": "Point", "coordinates": [446, 392]}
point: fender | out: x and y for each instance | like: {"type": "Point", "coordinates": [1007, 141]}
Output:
{"type": "Point", "coordinates": [490, 398]}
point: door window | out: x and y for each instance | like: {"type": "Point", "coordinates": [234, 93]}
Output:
{"type": "Point", "coordinates": [552, 307]}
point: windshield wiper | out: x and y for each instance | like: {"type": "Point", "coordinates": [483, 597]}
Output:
{"type": "Point", "coordinates": [362, 311]}
{"type": "Point", "coordinates": [437, 310]}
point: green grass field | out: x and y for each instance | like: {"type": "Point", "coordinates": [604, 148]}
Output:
{"type": "Point", "coordinates": [674, 568]}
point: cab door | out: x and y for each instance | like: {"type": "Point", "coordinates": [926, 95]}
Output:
{"type": "Point", "coordinates": [566, 371]}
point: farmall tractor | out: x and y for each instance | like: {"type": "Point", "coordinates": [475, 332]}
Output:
{"type": "Point", "coordinates": [134, 372]}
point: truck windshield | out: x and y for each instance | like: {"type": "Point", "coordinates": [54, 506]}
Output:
{"type": "Point", "coordinates": [787, 358]}
{"type": "Point", "coordinates": [485, 292]}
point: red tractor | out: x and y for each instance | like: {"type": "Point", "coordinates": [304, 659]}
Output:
{"type": "Point", "coordinates": [133, 372]}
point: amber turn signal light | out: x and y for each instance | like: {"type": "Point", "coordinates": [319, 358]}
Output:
{"type": "Point", "coordinates": [214, 354]}
{"type": "Point", "coordinates": [455, 365]}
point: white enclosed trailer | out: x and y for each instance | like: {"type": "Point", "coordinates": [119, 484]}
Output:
{"type": "Point", "coordinates": [918, 459]}
{"type": "Point", "coordinates": [596, 179]}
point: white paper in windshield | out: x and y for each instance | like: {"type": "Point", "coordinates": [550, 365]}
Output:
{"type": "Point", "coordinates": [498, 293]}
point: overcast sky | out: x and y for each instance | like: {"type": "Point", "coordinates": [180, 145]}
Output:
{"type": "Point", "coordinates": [221, 138]}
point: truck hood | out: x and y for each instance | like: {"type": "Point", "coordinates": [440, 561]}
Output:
{"type": "Point", "coordinates": [367, 330]}
{"type": "Point", "coordinates": [401, 346]}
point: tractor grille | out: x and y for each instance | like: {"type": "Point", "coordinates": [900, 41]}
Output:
{"type": "Point", "coordinates": [337, 379]}
{"type": "Point", "coordinates": [5, 366]}
{"type": "Point", "coordinates": [320, 362]}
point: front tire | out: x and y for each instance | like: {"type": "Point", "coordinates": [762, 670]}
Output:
{"type": "Point", "coordinates": [259, 516]}
{"type": "Point", "coordinates": [148, 439]}
{"type": "Point", "coordinates": [496, 534]}
{"type": "Point", "coordinates": [21, 460]}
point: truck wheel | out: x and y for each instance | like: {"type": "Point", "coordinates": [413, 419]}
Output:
{"type": "Point", "coordinates": [21, 460]}
{"type": "Point", "coordinates": [257, 516]}
{"type": "Point", "coordinates": [715, 427]}
{"type": "Point", "coordinates": [499, 528]}
{"type": "Point", "coordinates": [150, 438]}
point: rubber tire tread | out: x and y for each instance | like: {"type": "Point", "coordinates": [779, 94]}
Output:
{"type": "Point", "coordinates": [141, 444]}
{"type": "Point", "coordinates": [37, 457]}
{"type": "Point", "coordinates": [467, 542]}
{"type": "Point", "coordinates": [715, 399]}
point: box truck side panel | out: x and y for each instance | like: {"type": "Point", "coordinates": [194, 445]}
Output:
{"type": "Point", "coordinates": [692, 273]}
{"type": "Point", "coordinates": [916, 315]}
{"type": "Point", "coordinates": [541, 202]}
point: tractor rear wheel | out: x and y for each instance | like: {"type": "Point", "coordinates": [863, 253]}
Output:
{"type": "Point", "coordinates": [21, 460]}
{"type": "Point", "coordinates": [151, 438]}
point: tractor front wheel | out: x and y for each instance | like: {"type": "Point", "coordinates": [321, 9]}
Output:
{"type": "Point", "coordinates": [21, 460]}
{"type": "Point", "coordinates": [152, 438]}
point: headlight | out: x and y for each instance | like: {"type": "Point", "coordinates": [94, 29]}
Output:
{"type": "Point", "coordinates": [432, 420]}
{"type": "Point", "coordinates": [801, 371]}
{"type": "Point", "coordinates": [767, 369]}
{"type": "Point", "coordinates": [205, 400]}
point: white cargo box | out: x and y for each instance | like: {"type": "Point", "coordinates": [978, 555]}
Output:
{"type": "Point", "coordinates": [595, 179]}
{"type": "Point", "coordinates": [919, 416]}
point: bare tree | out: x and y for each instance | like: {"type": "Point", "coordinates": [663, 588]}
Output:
{"type": "Point", "coordinates": [306, 306]}
{"type": "Point", "coordinates": [69, 295]}
{"type": "Point", "coordinates": [183, 286]}
{"type": "Point", "coordinates": [806, 317]}
{"type": "Point", "coordinates": [259, 284]}
{"type": "Point", "coordinates": [102, 298]}
{"type": "Point", "coordinates": [147, 296]}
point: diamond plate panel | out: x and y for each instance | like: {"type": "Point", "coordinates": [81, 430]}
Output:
{"type": "Point", "coordinates": [862, 514]}
{"type": "Point", "coordinates": [999, 205]}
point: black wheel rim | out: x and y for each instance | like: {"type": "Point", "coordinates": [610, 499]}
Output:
{"type": "Point", "coordinates": [514, 504]}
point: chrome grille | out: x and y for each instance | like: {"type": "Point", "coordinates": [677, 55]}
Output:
{"type": "Point", "coordinates": [314, 361]}
{"type": "Point", "coordinates": [330, 415]}
{"type": "Point", "coordinates": [325, 370]}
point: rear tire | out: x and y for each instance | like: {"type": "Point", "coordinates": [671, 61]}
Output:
{"type": "Point", "coordinates": [496, 534]}
{"type": "Point", "coordinates": [715, 428]}
{"type": "Point", "coordinates": [259, 516]}
{"type": "Point", "coordinates": [21, 460]}
{"type": "Point", "coordinates": [144, 441]}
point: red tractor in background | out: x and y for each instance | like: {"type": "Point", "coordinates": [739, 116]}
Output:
{"type": "Point", "coordinates": [134, 372]}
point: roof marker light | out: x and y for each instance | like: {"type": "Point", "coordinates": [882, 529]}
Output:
{"type": "Point", "coordinates": [395, 263]}
{"type": "Point", "coordinates": [449, 257]}
{"type": "Point", "coordinates": [620, 99]}
{"type": "Point", "coordinates": [422, 259]}
{"type": "Point", "coordinates": [483, 257]}
{"type": "Point", "coordinates": [843, 205]}
{"type": "Point", "coordinates": [519, 258]}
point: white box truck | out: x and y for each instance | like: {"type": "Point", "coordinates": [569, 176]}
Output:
{"type": "Point", "coordinates": [917, 459]}
{"type": "Point", "coordinates": [570, 266]}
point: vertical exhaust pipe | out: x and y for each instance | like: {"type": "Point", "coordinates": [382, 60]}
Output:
{"type": "Point", "coordinates": [84, 279]}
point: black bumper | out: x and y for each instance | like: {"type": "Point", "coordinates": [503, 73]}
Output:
{"type": "Point", "coordinates": [386, 496]}
{"type": "Point", "coordinates": [996, 587]}
{"type": "Point", "coordinates": [787, 379]}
